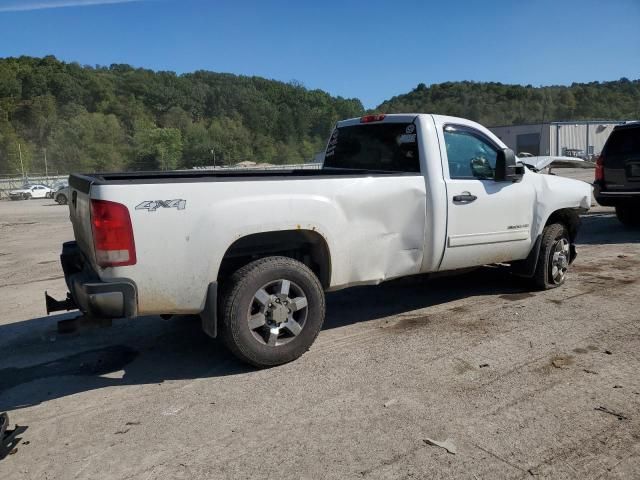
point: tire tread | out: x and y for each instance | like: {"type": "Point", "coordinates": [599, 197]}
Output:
{"type": "Point", "coordinates": [549, 235]}
{"type": "Point", "coordinates": [234, 287]}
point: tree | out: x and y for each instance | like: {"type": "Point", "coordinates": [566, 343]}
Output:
{"type": "Point", "coordinates": [230, 140]}
{"type": "Point", "coordinates": [107, 118]}
{"type": "Point", "coordinates": [197, 146]}
{"type": "Point", "coordinates": [16, 154]}
{"type": "Point", "coordinates": [157, 148]}
{"type": "Point", "coordinates": [89, 142]}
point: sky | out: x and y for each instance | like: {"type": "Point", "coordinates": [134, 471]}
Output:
{"type": "Point", "coordinates": [367, 49]}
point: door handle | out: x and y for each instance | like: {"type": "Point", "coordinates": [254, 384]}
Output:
{"type": "Point", "coordinates": [466, 197]}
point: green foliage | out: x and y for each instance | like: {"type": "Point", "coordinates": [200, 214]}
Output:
{"type": "Point", "coordinates": [89, 141]}
{"type": "Point", "coordinates": [157, 148]}
{"type": "Point", "coordinates": [120, 117]}
{"type": "Point", "coordinates": [499, 104]}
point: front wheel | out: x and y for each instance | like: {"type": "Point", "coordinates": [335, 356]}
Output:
{"type": "Point", "coordinates": [27, 196]}
{"type": "Point", "coordinates": [61, 199]}
{"type": "Point", "coordinates": [271, 311]}
{"type": "Point", "coordinates": [554, 257]}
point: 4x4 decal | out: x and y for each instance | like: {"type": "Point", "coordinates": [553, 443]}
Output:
{"type": "Point", "coordinates": [153, 205]}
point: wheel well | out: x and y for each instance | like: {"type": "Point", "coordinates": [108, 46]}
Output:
{"type": "Point", "coordinates": [568, 217]}
{"type": "Point", "coordinates": [306, 246]}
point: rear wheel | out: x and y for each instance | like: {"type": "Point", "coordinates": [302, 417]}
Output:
{"type": "Point", "coordinates": [554, 257]}
{"type": "Point", "coordinates": [628, 214]}
{"type": "Point", "coordinates": [271, 311]}
{"type": "Point", "coordinates": [61, 199]}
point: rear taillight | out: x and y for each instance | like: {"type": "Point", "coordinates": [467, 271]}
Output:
{"type": "Point", "coordinates": [112, 234]}
{"type": "Point", "coordinates": [600, 169]}
{"type": "Point", "coordinates": [372, 118]}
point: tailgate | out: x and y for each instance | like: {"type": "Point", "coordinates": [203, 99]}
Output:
{"type": "Point", "coordinates": [80, 214]}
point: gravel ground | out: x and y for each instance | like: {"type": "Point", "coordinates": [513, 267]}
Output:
{"type": "Point", "coordinates": [523, 383]}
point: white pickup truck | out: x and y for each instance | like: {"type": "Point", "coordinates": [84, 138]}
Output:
{"type": "Point", "coordinates": [253, 252]}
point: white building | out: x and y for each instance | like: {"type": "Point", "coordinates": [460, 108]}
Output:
{"type": "Point", "coordinates": [575, 139]}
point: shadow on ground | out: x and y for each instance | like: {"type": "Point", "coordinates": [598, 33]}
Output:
{"type": "Point", "coordinates": [604, 228]}
{"type": "Point", "coordinates": [37, 365]}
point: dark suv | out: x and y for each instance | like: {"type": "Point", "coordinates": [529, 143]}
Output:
{"type": "Point", "coordinates": [617, 182]}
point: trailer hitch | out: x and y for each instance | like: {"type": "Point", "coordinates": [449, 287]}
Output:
{"type": "Point", "coordinates": [54, 305]}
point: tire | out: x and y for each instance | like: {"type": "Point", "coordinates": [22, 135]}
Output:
{"type": "Point", "coordinates": [61, 199]}
{"type": "Point", "coordinates": [27, 196]}
{"type": "Point", "coordinates": [555, 251]}
{"type": "Point", "coordinates": [283, 326]}
{"type": "Point", "coordinates": [628, 214]}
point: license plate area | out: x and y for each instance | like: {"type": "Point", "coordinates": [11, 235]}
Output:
{"type": "Point", "coordinates": [633, 171]}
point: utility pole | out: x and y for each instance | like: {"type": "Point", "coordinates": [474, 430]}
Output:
{"type": "Point", "coordinates": [21, 164]}
{"type": "Point", "coordinates": [46, 168]}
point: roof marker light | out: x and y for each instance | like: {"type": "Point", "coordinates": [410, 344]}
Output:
{"type": "Point", "coordinates": [378, 117]}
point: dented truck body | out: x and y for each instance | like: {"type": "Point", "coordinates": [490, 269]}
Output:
{"type": "Point", "coordinates": [398, 195]}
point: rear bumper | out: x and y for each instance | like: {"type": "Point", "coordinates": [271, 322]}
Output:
{"type": "Point", "coordinates": [95, 298]}
{"type": "Point", "coordinates": [611, 199]}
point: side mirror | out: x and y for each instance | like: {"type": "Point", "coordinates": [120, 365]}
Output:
{"type": "Point", "coordinates": [506, 168]}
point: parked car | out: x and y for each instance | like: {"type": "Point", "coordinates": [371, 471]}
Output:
{"type": "Point", "coordinates": [549, 162]}
{"type": "Point", "coordinates": [252, 252]}
{"type": "Point", "coordinates": [56, 187]}
{"type": "Point", "coordinates": [62, 195]}
{"type": "Point", "coordinates": [617, 177]}
{"type": "Point", "coordinates": [29, 191]}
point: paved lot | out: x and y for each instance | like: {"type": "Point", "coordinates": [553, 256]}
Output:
{"type": "Point", "coordinates": [513, 378]}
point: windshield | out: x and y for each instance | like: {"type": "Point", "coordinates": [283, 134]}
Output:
{"type": "Point", "coordinates": [389, 147]}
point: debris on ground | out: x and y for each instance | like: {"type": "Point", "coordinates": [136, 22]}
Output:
{"type": "Point", "coordinates": [561, 362]}
{"type": "Point", "coordinates": [388, 403]}
{"type": "Point", "coordinates": [484, 365]}
{"type": "Point", "coordinates": [586, 370]}
{"type": "Point", "coordinates": [619, 416]}
{"type": "Point", "coordinates": [608, 352]}
{"type": "Point", "coordinates": [447, 445]}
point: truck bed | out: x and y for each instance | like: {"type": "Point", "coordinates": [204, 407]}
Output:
{"type": "Point", "coordinates": [82, 182]}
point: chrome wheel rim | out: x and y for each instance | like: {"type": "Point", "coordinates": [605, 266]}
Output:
{"type": "Point", "coordinates": [277, 313]}
{"type": "Point", "coordinates": [559, 260]}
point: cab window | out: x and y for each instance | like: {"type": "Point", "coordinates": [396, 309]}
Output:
{"type": "Point", "coordinates": [390, 147]}
{"type": "Point", "coordinates": [469, 154]}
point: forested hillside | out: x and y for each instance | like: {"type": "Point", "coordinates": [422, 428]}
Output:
{"type": "Point", "coordinates": [499, 104]}
{"type": "Point", "coordinates": [120, 117]}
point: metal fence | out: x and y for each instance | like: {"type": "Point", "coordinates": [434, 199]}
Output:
{"type": "Point", "coordinates": [8, 182]}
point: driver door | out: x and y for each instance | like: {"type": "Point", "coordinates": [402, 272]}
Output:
{"type": "Point", "coordinates": [488, 221]}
